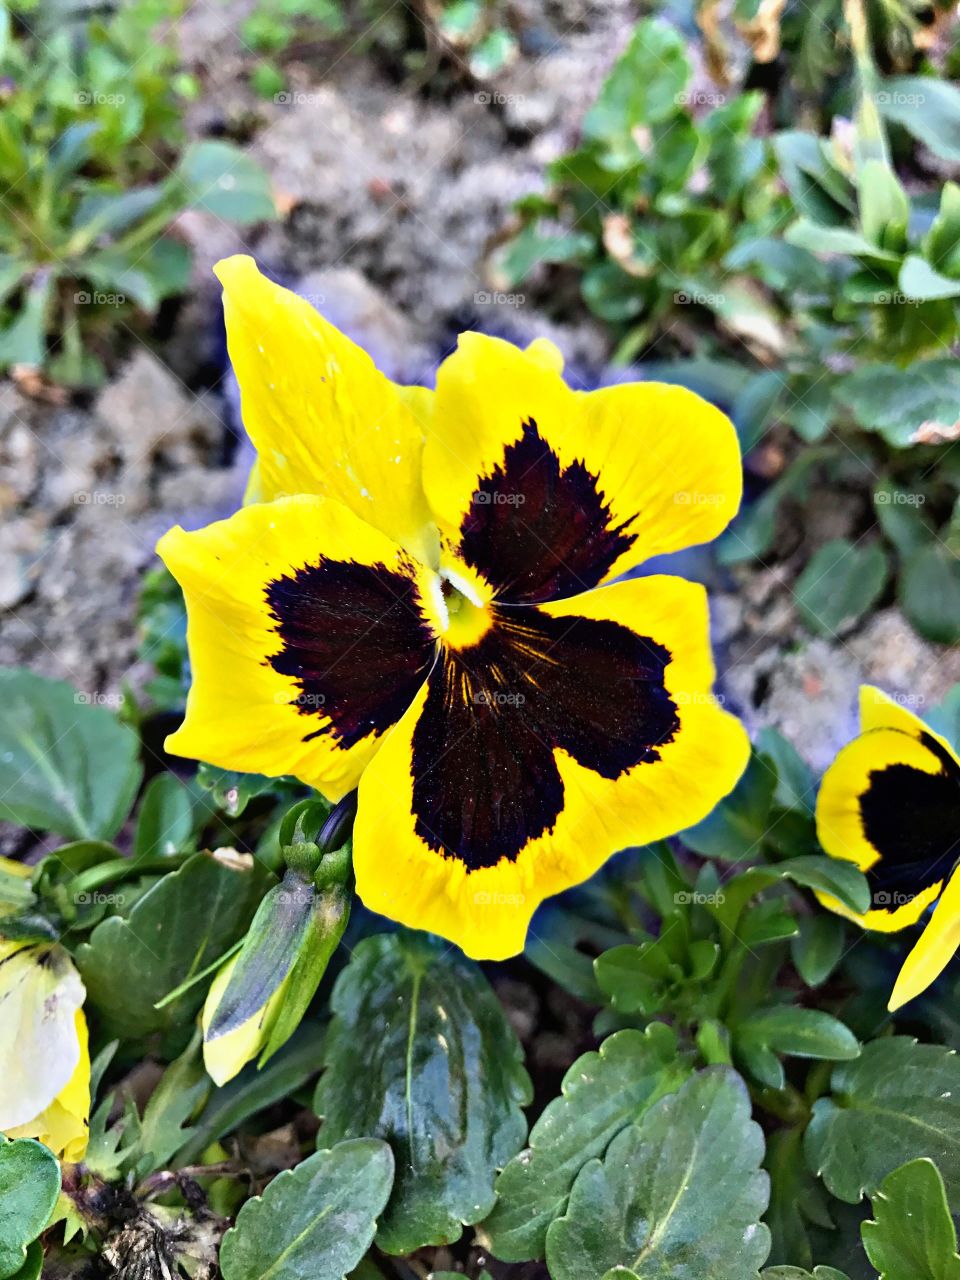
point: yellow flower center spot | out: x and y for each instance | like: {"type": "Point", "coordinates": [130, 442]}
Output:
{"type": "Point", "coordinates": [467, 622]}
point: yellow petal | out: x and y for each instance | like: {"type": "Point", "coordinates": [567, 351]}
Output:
{"type": "Point", "coordinates": [518, 730]}
{"type": "Point", "coordinates": [309, 633]}
{"type": "Point", "coordinates": [934, 950]}
{"type": "Point", "coordinates": [322, 417]}
{"type": "Point", "coordinates": [64, 1126]}
{"type": "Point", "coordinates": [878, 710]}
{"type": "Point", "coordinates": [40, 997]}
{"type": "Point", "coordinates": [546, 492]}
{"type": "Point", "coordinates": [890, 803]}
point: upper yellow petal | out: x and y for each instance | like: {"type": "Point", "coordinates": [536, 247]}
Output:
{"type": "Point", "coordinates": [878, 710]}
{"type": "Point", "coordinates": [322, 417]}
{"type": "Point", "coordinates": [548, 492]}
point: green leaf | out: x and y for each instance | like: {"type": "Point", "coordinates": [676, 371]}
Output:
{"type": "Point", "coordinates": [223, 180]}
{"type": "Point", "coordinates": [912, 1236]}
{"type": "Point", "coordinates": [232, 791]}
{"type": "Point", "coordinates": [183, 1089]}
{"type": "Point", "coordinates": [532, 247]}
{"type": "Point", "coordinates": [898, 1101]}
{"type": "Point", "coordinates": [254, 1090]}
{"type": "Point", "coordinates": [631, 977]}
{"type": "Point", "coordinates": [929, 592]}
{"type": "Point", "coordinates": [927, 107]}
{"type": "Point", "coordinates": [643, 86]}
{"type": "Point", "coordinates": [839, 584]}
{"type": "Point", "coordinates": [314, 1222]}
{"type": "Point", "coordinates": [182, 923]}
{"type": "Point", "coordinates": [679, 1192]}
{"type": "Point", "coordinates": [601, 1094]}
{"type": "Point", "coordinates": [816, 950]}
{"type": "Point", "coordinates": [24, 341]}
{"type": "Point", "coordinates": [884, 207]}
{"type": "Point", "coordinates": [921, 281]}
{"type": "Point", "coordinates": [795, 1032]}
{"type": "Point", "coordinates": [797, 1273]}
{"type": "Point", "coordinates": [945, 717]}
{"type": "Point", "coordinates": [29, 1187]}
{"type": "Point", "coordinates": [896, 402]}
{"type": "Point", "coordinates": [818, 189]}
{"type": "Point", "coordinates": [419, 1053]}
{"type": "Point", "coordinates": [165, 819]}
{"type": "Point", "coordinates": [494, 52]}
{"type": "Point", "coordinates": [753, 531]}
{"type": "Point", "coordinates": [898, 515]}
{"type": "Point", "coordinates": [829, 875]}
{"type": "Point", "coordinates": [65, 766]}
{"type": "Point", "coordinates": [736, 828]}
{"type": "Point", "coordinates": [941, 245]}
{"type": "Point", "coordinates": [816, 238]}
{"type": "Point", "coordinates": [33, 1265]}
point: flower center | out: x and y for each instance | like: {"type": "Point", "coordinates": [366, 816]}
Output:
{"type": "Point", "coordinates": [467, 621]}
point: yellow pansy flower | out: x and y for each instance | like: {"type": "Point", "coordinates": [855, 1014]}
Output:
{"type": "Point", "coordinates": [414, 601]}
{"type": "Point", "coordinates": [44, 1055]}
{"type": "Point", "coordinates": [890, 803]}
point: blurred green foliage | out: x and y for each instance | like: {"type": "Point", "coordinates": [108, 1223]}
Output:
{"type": "Point", "coordinates": [94, 169]}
